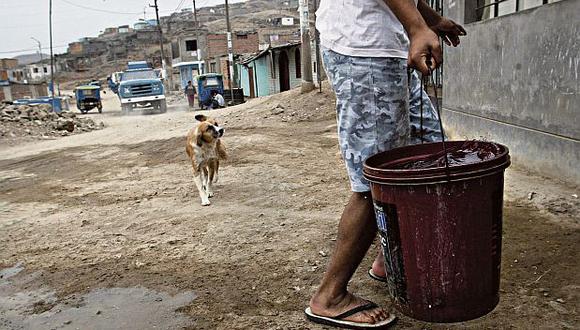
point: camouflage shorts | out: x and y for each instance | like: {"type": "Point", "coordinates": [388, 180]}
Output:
{"type": "Point", "coordinates": [377, 108]}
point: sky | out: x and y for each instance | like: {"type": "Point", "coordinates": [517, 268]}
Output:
{"type": "Point", "coordinates": [22, 20]}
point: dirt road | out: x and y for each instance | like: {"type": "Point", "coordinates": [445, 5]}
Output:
{"type": "Point", "coordinates": [104, 230]}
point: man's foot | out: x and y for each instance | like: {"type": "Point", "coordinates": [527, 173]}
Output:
{"type": "Point", "coordinates": [378, 268]}
{"type": "Point", "coordinates": [331, 308]}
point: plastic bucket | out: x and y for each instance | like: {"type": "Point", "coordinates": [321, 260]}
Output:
{"type": "Point", "coordinates": [440, 231]}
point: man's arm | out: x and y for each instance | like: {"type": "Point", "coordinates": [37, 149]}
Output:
{"type": "Point", "coordinates": [447, 29]}
{"type": "Point", "coordinates": [424, 42]}
{"type": "Point", "coordinates": [430, 16]}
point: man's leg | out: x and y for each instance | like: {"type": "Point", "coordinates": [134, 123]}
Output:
{"type": "Point", "coordinates": [356, 231]}
{"type": "Point", "coordinates": [372, 115]}
{"type": "Point", "coordinates": [431, 133]}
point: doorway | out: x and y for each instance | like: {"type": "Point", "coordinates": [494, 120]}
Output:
{"type": "Point", "coordinates": [251, 78]}
{"type": "Point", "coordinates": [284, 72]}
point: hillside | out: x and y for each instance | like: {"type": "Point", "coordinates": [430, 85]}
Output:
{"type": "Point", "coordinates": [110, 52]}
{"type": "Point", "coordinates": [30, 58]}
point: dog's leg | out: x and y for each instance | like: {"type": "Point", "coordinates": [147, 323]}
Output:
{"type": "Point", "coordinates": [198, 179]}
{"type": "Point", "coordinates": [211, 169]}
{"type": "Point", "coordinates": [204, 176]}
{"type": "Point", "coordinates": [217, 168]}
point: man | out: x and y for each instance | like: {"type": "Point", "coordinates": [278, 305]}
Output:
{"type": "Point", "coordinates": [368, 46]}
{"type": "Point", "coordinates": [217, 101]}
{"type": "Point", "coordinates": [190, 94]}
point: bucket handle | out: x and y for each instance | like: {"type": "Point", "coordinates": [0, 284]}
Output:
{"type": "Point", "coordinates": [424, 81]}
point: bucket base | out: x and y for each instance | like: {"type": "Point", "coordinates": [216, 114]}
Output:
{"type": "Point", "coordinates": [447, 314]}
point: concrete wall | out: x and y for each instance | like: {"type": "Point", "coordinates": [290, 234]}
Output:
{"type": "Point", "coordinates": [514, 80]}
{"type": "Point", "coordinates": [275, 78]}
{"type": "Point", "coordinates": [42, 71]}
{"type": "Point", "coordinates": [268, 81]}
{"type": "Point", "coordinates": [262, 79]}
{"type": "Point", "coordinates": [262, 72]}
{"type": "Point", "coordinates": [187, 56]}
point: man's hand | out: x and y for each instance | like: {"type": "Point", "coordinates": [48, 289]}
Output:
{"type": "Point", "coordinates": [424, 42]}
{"type": "Point", "coordinates": [425, 47]}
{"type": "Point", "coordinates": [449, 31]}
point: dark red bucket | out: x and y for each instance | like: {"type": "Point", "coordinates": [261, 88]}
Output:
{"type": "Point", "coordinates": [440, 231]}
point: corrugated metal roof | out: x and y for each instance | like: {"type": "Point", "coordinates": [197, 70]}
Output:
{"type": "Point", "coordinates": [267, 50]}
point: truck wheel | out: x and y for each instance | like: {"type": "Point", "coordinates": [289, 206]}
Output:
{"type": "Point", "coordinates": [100, 108]}
{"type": "Point", "coordinates": [163, 106]}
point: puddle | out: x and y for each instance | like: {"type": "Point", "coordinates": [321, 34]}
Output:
{"type": "Point", "coordinates": [111, 308]}
{"type": "Point", "coordinates": [7, 273]}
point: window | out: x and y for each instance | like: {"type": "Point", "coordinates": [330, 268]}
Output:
{"type": "Point", "coordinates": [297, 61]}
{"type": "Point", "coordinates": [485, 9]}
{"type": "Point", "coordinates": [242, 36]}
{"type": "Point", "coordinates": [211, 82]}
{"type": "Point", "coordinates": [190, 45]}
{"type": "Point", "coordinates": [138, 74]}
{"type": "Point", "coordinates": [212, 67]}
{"type": "Point", "coordinates": [45, 70]}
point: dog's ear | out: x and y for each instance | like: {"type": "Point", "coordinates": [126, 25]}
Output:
{"type": "Point", "coordinates": [201, 118]}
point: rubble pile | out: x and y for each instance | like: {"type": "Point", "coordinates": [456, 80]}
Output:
{"type": "Point", "coordinates": [29, 122]}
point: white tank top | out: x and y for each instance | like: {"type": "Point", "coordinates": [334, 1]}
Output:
{"type": "Point", "coordinates": [365, 28]}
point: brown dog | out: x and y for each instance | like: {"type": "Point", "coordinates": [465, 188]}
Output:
{"type": "Point", "coordinates": [205, 150]}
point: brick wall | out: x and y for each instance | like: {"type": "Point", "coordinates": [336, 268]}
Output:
{"type": "Point", "coordinates": [8, 63]}
{"type": "Point", "coordinates": [217, 44]}
{"type": "Point", "coordinates": [18, 91]}
{"type": "Point", "coordinates": [27, 90]}
{"type": "Point", "coordinates": [75, 48]}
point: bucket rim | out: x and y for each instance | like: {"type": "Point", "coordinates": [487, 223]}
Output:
{"type": "Point", "coordinates": [374, 173]}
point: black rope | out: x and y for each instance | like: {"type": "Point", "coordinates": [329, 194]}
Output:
{"type": "Point", "coordinates": [438, 115]}
{"type": "Point", "coordinates": [421, 120]}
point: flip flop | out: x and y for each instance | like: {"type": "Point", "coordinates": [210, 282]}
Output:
{"type": "Point", "coordinates": [338, 321]}
{"type": "Point", "coordinates": [377, 277]}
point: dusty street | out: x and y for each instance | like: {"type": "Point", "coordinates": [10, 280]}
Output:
{"type": "Point", "coordinates": [105, 230]}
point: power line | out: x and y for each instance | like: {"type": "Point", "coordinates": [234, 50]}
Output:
{"type": "Point", "coordinates": [29, 49]}
{"type": "Point", "coordinates": [179, 6]}
{"type": "Point", "coordinates": [99, 10]}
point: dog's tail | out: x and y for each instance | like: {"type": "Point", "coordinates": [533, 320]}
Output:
{"type": "Point", "coordinates": [221, 150]}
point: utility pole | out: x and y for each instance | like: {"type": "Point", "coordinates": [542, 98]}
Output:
{"type": "Point", "coordinates": [317, 49]}
{"type": "Point", "coordinates": [198, 51]}
{"type": "Point", "coordinates": [305, 52]}
{"type": "Point", "coordinates": [51, 55]}
{"type": "Point", "coordinates": [39, 47]}
{"type": "Point", "coordinates": [163, 64]}
{"type": "Point", "coordinates": [230, 53]}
